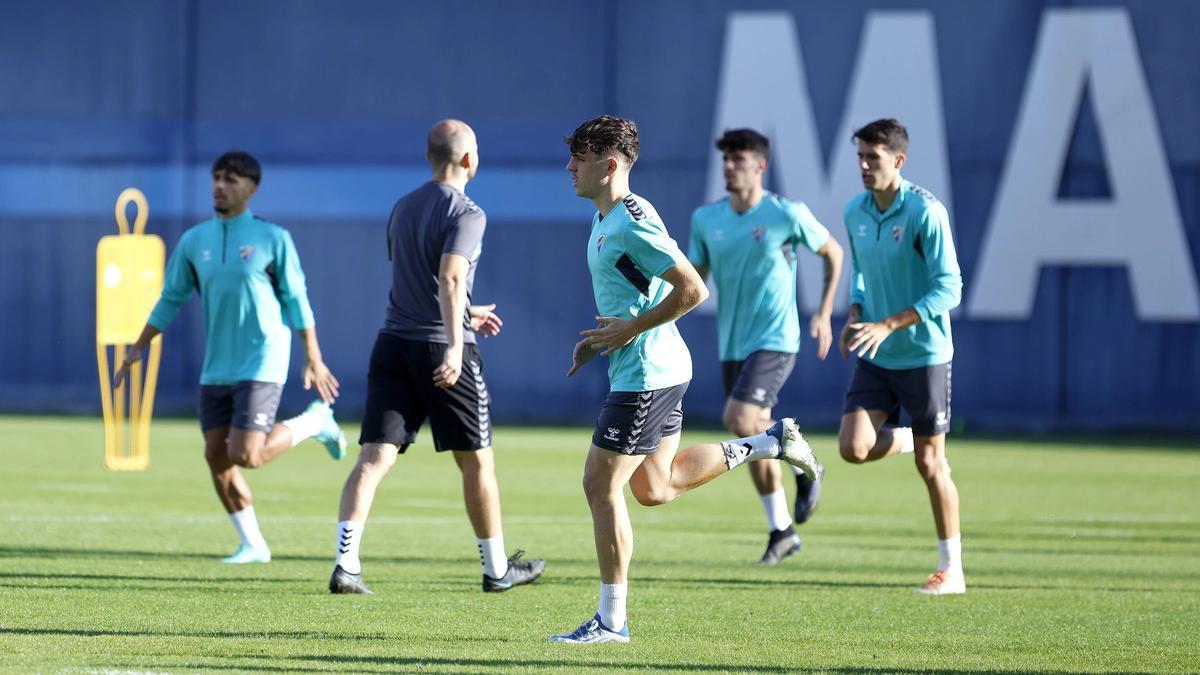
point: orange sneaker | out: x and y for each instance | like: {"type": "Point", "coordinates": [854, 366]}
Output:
{"type": "Point", "coordinates": [944, 582]}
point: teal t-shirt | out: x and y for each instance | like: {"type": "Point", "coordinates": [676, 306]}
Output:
{"type": "Point", "coordinates": [252, 289]}
{"type": "Point", "coordinates": [752, 259]}
{"type": "Point", "coordinates": [901, 258]}
{"type": "Point", "coordinates": [628, 251]}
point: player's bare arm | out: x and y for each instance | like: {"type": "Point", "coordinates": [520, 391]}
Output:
{"type": "Point", "coordinates": [316, 373]}
{"type": "Point", "coordinates": [452, 301]}
{"type": "Point", "coordinates": [820, 327]}
{"type": "Point", "coordinates": [687, 292]}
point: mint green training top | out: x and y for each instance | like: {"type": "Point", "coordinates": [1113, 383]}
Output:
{"type": "Point", "coordinates": [252, 289]}
{"type": "Point", "coordinates": [628, 252]}
{"type": "Point", "coordinates": [752, 259]}
{"type": "Point", "coordinates": [901, 258]}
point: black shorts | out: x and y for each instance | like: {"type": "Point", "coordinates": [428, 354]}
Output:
{"type": "Point", "coordinates": [401, 394]}
{"type": "Point", "coordinates": [757, 379]}
{"type": "Point", "coordinates": [633, 422]}
{"type": "Point", "coordinates": [244, 405]}
{"type": "Point", "coordinates": [924, 394]}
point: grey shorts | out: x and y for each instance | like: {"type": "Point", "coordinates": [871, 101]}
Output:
{"type": "Point", "coordinates": [924, 393]}
{"type": "Point", "coordinates": [244, 405]}
{"type": "Point", "coordinates": [757, 379]}
{"type": "Point", "coordinates": [633, 422]}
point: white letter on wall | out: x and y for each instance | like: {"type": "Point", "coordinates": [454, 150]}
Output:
{"type": "Point", "coordinates": [1140, 228]}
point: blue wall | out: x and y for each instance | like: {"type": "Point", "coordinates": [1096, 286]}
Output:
{"type": "Point", "coordinates": [335, 99]}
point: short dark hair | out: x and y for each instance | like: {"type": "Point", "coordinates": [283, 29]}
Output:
{"type": "Point", "coordinates": [604, 135]}
{"type": "Point", "coordinates": [241, 163]}
{"type": "Point", "coordinates": [735, 140]}
{"type": "Point", "coordinates": [888, 132]}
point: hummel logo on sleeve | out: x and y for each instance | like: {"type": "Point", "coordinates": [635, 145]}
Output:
{"type": "Point", "coordinates": [634, 210]}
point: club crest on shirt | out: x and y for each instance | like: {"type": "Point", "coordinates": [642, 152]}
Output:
{"type": "Point", "coordinates": [758, 233]}
{"type": "Point", "coordinates": [205, 255]}
{"type": "Point", "coordinates": [897, 232]}
{"type": "Point", "coordinates": [599, 243]}
{"type": "Point", "coordinates": [862, 229]}
{"type": "Point", "coordinates": [246, 252]}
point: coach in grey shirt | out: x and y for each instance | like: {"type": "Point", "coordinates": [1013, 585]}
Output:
{"type": "Point", "coordinates": [426, 224]}
{"type": "Point", "coordinates": [435, 236]}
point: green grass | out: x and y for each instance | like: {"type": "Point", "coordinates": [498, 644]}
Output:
{"type": "Point", "coordinates": [1079, 558]}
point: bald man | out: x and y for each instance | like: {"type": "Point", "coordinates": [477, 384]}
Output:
{"type": "Point", "coordinates": [425, 363]}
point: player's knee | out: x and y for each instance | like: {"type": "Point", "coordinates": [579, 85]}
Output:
{"type": "Point", "coordinates": [932, 467]}
{"type": "Point", "coordinates": [651, 495]}
{"type": "Point", "coordinates": [598, 488]}
{"type": "Point", "coordinates": [740, 424]}
{"type": "Point", "coordinates": [245, 457]}
{"type": "Point", "coordinates": [372, 460]}
{"type": "Point", "coordinates": [217, 455]}
{"type": "Point", "coordinates": [853, 450]}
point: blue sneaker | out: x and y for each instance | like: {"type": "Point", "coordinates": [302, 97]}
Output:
{"type": "Point", "coordinates": [249, 554]}
{"type": "Point", "coordinates": [592, 632]}
{"type": "Point", "coordinates": [330, 435]}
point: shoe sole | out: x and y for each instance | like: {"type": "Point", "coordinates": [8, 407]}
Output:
{"type": "Point", "coordinates": [955, 591]}
{"type": "Point", "coordinates": [229, 561]}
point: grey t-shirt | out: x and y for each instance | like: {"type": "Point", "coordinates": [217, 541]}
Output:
{"type": "Point", "coordinates": [432, 220]}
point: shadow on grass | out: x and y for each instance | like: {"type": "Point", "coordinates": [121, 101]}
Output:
{"type": "Point", "coordinates": [56, 552]}
{"type": "Point", "coordinates": [230, 634]}
{"type": "Point", "coordinates": [419, 664]}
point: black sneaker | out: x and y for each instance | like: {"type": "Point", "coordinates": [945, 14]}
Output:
{"type": "Point", "coordinates": [518, 573]}
{"type": "Point", "coordinates": [781, 544]}
{"type": "Point", "coordinates": [808, 493]}
{"type": "Point", "coordinates": [343, 582]}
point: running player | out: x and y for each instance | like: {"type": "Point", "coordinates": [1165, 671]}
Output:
{"type": "Point", "coordinates": [251, 286]}
{"type": "Point", "coordinates": [904, 282]}
{"type": "Point", "coordinates": [642, 283]}
{"type": "Point", "coordinates": [748, 241]}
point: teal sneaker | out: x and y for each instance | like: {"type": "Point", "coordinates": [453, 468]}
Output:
{"type": "Point", "coordinates": [330, 435]}
{"type": "Point", "coordinates": [249, 554]}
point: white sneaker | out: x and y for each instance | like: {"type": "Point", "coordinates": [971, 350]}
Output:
{"type": "Point", "coordinates": [944, 582]}
{"type": "Point", "coordinates": [793, 449]}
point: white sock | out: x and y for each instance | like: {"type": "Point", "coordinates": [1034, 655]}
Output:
{"type": "Point", "coordinates": [349, 539]}
{"type": "Point", "coordinates": [795, 469]}
{"type": "Point", "coordinates": [775, 506]}
{"type": "Point", "coordinates": [950, 553]}
{"type": "Point", "coordinates": [304, 426]}
{"type": "Point", "coordinates": [612, 605]}
{"type": "Point", "coordinates": [749, 449]}
{"type": "Point", "coordinates": [491, 556]}
{"type": "Point", "coordinates": [903, 435]}
{"type": "Point", "coordinates": [246, 524]}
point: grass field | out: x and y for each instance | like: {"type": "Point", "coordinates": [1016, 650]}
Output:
{"type": "Point", "coordinates": [1079, 558]}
